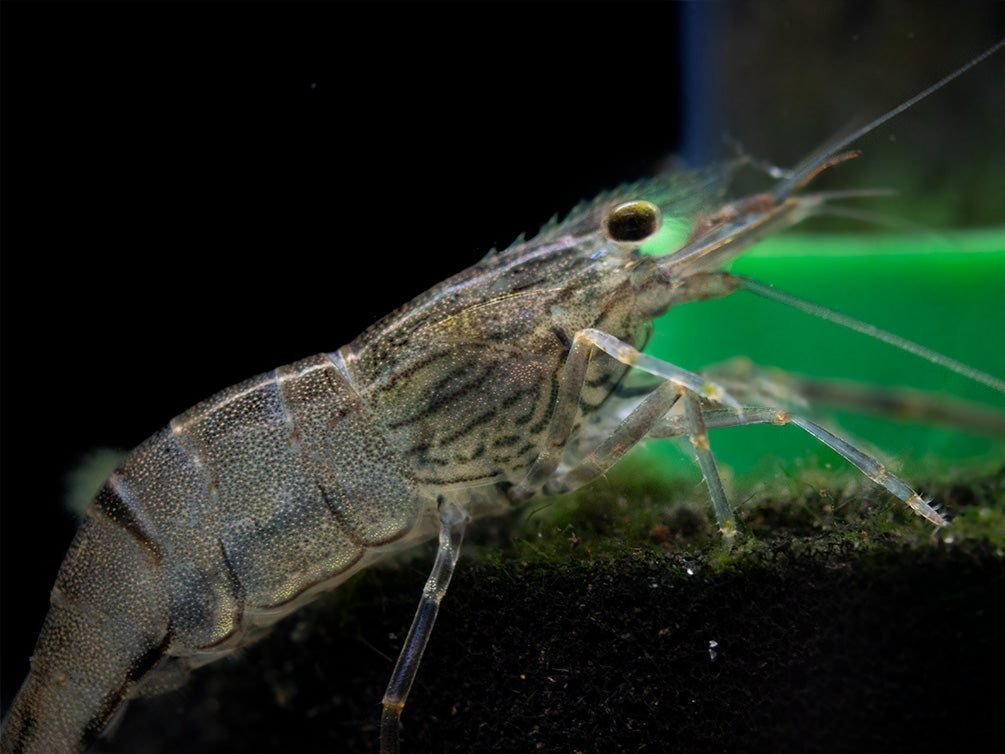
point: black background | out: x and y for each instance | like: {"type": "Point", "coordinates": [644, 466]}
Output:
{"type": "Point", "coordinates": [196, 193]}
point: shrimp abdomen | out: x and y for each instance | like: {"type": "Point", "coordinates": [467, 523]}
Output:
{"type": "Point", "coordinates": [240, 510]}
{"type": "Point", "coordinates": [106, 628]}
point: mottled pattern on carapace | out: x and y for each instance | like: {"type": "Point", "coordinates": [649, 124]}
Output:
{"type": "Point", "coordinates": [464, 377]}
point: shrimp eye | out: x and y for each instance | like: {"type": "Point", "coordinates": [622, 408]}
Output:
{"type": "Point", "coordinates": [633, 221]}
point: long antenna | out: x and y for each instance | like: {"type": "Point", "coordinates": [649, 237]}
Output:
{"type": "Point", "coordinates": [871, 330]}
{"type": "Point", "coordinates": [799, 172]}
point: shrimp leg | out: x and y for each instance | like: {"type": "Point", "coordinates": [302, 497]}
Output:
{"type": "Point", "coordinates": [698, 433]}
{"type": "Point", "coordinates": [634, 428]}
{"type": "Point", "coordinates": [678, 381]}
{"type": "Point", "coordinates": [646, 417]}
{"type": "Point", "coordinates": [452, 523]}
{"type": "Point", "coordinates": [772, 385]}
{"type": "Point", "coordinates": [868, 465]}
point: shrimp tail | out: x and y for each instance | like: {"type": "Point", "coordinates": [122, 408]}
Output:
{"type": "Point", "coordinates": [108, 626]}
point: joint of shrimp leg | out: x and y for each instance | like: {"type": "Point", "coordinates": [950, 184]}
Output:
{"type": "Point", "coordinates": [879, 475]}
{"type": "Point", "coordinates": [716, 394]}
{"type": "Point", "coordinates": [728, 530]}
{"type": "Point", "coordinates": [394, 706]}
{"type": "Point", "coordinates": [700, 441]}
{"type": "Point", "coordinates": [712, 392]}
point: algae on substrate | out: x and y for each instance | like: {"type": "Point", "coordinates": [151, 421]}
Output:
{"type": "Point", "coordinates": [846, 629]}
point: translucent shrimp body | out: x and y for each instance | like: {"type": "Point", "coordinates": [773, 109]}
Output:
{"type": "Point", "coordinates": [500, 384]}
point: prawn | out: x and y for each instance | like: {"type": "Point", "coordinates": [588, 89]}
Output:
{"type": "Point", "coordinates": [503, 383]}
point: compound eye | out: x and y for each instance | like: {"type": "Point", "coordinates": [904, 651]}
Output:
{"type": "Point", "coordinates": [633, 221]}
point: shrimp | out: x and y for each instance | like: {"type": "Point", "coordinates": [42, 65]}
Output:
{"type": "Point", "coordinates": [503, 383]}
